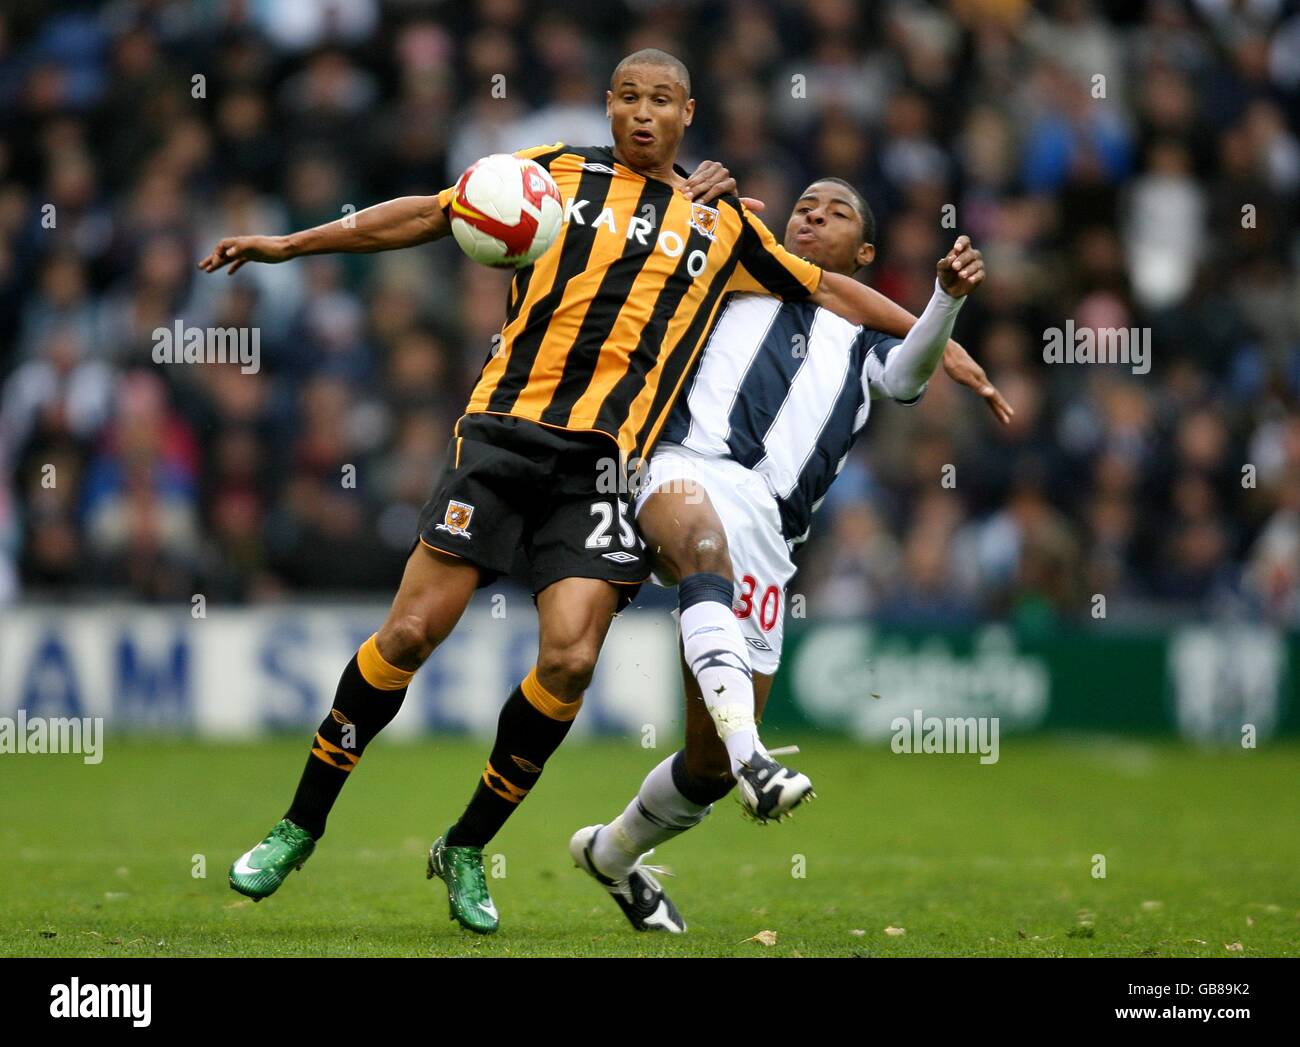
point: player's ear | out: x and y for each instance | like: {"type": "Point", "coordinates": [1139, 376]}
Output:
{"type": "Point", "coordinates": [690, 110]}
{"type": "Point", "coordinates": [866, 254]}
{"type": "Point", "coordinates": [609, 101]}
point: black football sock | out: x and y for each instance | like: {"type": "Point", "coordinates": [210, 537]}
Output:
{"type": "Point", "coordinates": [532, 725]}
{"type": "Point", "coordinates": [369, 694]}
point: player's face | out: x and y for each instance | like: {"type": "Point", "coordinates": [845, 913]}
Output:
{"type": "Point", "coordinates": [826, 229]}
{"type": "Point", "coordinates": [648, 115]}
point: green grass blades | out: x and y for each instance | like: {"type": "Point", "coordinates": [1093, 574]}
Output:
{"type": "Point", "coordinates": [902, 855]}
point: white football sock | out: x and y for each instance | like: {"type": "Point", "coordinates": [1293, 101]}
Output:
{"type": "Point", "coordinates": [716, 653]}
{"type": "Point", "coordinates": [656, 814]}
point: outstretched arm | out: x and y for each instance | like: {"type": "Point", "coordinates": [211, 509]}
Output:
{"type": "Point", "coordinates": [909, 365]}
{"type": "Point", "coordinates": [960, 271]}
{"type": "Point", "coordinates": [860, 304]}
{"type": "Point", "coordinates": [403, 222]}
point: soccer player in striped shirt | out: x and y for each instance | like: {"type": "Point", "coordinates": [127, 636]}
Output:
{"type": "Point", "coordinates": [779, 395]}
{"type": "Point", "coordinates": [599, 337]}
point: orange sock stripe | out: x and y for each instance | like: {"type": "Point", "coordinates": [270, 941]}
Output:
{"type": "Point", "coordinates": [333, 755]}
{"type": "Point", "coordinates": [506, 790]}
{"type": "Point", "coordinates": [546, 703]}
{"type": "Point", "coordinates": [377, 672]}
{"type": "Point", "coordinates": [330, 747]}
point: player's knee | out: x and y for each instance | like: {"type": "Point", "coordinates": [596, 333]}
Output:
{"type": "Point", "coordinates": [406, 641]}
{"type": "Point", "coordinates": [567, 669]}
{"type": "Point", "coordinates": [705, 549]}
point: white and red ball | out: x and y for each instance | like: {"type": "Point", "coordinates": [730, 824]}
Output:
{"type": "Point", "coordinates": [506, 211]}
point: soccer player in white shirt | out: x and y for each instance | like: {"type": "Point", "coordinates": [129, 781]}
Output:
{"type": "Point", "coordinates": [777, 398]}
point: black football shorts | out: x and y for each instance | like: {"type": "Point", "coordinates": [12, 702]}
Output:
{"type": "Point", "coordinates": [539, 503]}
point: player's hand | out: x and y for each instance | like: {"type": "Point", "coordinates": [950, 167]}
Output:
{"type": "Point", "coordinates": [708, 182]}
{"type": "Point", "coordinates": [959, 366]}
{"type": "Point", "coordinates": [234, 251]}
{"type": "Point", "coordinates": [961, 270]}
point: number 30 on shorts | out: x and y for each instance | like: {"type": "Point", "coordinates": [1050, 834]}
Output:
{"type": "Point", "coordinates": [768, 607]}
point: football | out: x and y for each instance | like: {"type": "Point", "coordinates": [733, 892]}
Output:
{"type": "Point", "coordinates": [506, 211]}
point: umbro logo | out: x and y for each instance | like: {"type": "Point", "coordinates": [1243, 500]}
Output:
{"type": "Point", "coordinates": [759, 642]}
{"type": "Point", "coordinates": [621, 557]}
{"type": "Point", "coordinates": [598, 168]}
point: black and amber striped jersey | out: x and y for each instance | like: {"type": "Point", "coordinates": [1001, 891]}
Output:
{"type": "Point", "coordinates": [601, 331]}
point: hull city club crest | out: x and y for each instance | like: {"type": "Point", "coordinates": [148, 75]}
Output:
{"type": "Point", "coordinates": [457, 519]}
{"type": "Point", "coordinates": [704, 220]}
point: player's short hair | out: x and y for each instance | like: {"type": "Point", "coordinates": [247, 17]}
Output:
{"type": "Point", "coordinates": [653, 56]}
{"type": "Point", "coordinates": [859, 204]}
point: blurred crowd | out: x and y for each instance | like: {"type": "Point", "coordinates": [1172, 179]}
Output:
{"type": "Point", "coordinates": [1124, 165]}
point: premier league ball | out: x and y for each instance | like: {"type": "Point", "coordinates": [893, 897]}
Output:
{"type": "Point", "coordinates": [506, 211]}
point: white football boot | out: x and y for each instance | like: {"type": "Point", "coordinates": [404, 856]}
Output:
{"type": "Point", "coordinates": [769, 791]}
{"type": "Point", "coordinates": [639, 895]}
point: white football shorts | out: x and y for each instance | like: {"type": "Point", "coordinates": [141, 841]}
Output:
{"type": "Point", "coordinates": [760, 556]}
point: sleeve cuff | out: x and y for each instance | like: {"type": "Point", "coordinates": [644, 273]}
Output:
{"type": "Point", "coordinates": [945, 299]}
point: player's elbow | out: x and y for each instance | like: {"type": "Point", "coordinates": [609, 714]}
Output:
{"type": "Point", "coordinates": [905, 386]}
{"type": "Point", "coordinates": [434, 220]}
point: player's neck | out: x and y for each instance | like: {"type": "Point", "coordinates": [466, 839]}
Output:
{"type": "Point", "coordinates": [661, 172]}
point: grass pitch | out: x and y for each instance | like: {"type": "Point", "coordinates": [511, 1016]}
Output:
{"type": "Point", "coordinates": [901, 855]}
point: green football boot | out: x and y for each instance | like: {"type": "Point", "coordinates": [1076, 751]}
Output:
{"type": "Point", "coordinates": [258, 873]}
{"type": "Point", "coordinates": [461, 868]}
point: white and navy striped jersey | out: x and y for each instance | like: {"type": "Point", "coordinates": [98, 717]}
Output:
{"type": "Point", "coordinates": [783, 388]}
